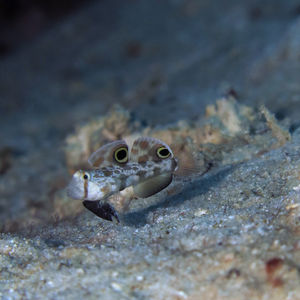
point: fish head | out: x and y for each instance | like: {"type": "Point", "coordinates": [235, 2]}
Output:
{"type": "Point", "coordinates": [86, 185]}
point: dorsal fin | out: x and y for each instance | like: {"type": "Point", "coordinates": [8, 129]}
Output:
{"type": "Point", "coordinates": [144, 149]}
{"type": "Point", "coordinates": [105, 155]}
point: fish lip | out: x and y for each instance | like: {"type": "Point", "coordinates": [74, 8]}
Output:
{"type": "Point", "coordinates": [73, 191]}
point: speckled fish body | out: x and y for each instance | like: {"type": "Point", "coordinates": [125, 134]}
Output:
{"type": "Point", "coordinates": [144, 171]}
{"type": "Point", "coordinates": [101, 183]}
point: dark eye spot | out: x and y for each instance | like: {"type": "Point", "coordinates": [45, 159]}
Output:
{"type": "Point", "coordinates": [85, 177]}
{"type": "Point", "coordinates": [121, 154]}
{"type": "Point", "coordinates": [164, 152]}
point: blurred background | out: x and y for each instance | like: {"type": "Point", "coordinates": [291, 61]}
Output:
{"type": "Point", "coordinates": [22, 21]}
{"type": "Point", "coordinates": [63, 63]}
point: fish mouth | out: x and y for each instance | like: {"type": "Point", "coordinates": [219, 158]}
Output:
{"type": "Point", "coordinates": [73, 190]}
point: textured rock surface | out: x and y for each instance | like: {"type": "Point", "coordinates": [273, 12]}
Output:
{"type": "Point", "coordinates": [232, 233]}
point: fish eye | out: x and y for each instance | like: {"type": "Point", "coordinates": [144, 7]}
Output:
{"type": "Point", "coordinates": [86, 176]}
{"type": "Point", "coordinates": [121, 155]}
{"type": "Point", "coordinates": [163, 152]}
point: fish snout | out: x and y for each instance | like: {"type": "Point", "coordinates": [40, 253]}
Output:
{"type": "Point", "coordinates": [75, 189]}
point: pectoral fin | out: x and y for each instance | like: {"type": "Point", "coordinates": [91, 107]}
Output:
{"type": "Point", "coordinates": [102, 210]}
{"type": "Point", "coordinates": [153, 185]}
